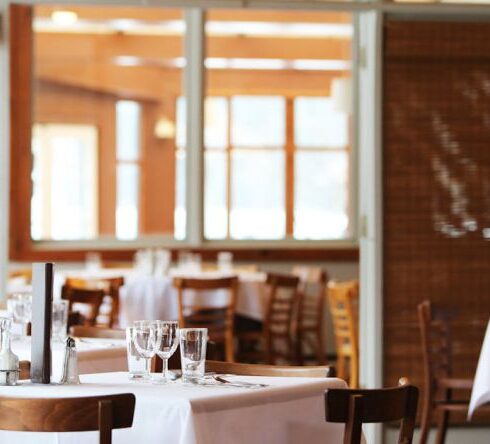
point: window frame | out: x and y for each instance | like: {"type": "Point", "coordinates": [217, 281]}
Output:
{"type": "Point", "coordinates": [23, 248]}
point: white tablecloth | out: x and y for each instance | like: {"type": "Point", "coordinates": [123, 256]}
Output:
{"type": "Point", "coordinates": [94, 355]}
{"type": "Point", "coordinates": [481, 385]}
{"type": "Point", "coordinates": [154, 297]}
{"type": "Point", "coordinates": [290, 411]}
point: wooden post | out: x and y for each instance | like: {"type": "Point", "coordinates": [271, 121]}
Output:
{"type": "Point", "coordinates": [42, 301]}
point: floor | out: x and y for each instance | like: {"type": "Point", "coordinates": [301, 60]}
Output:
{"type": "Point", "coordinates": [476, 435]}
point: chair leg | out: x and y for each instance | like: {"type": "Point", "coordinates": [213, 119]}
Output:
{"type": "Point", "coordinates": [425, 418]}
{"type": "Point", "coordinates": [320, 353]}
{"type": "Point", "coordinates": [299, 348]}
{"type": "Point", "coordinates": [442, 422]}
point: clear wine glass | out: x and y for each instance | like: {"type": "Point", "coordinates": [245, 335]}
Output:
{"type": "Point", "coordinates": [20, 306]}
{"type": "Point", "coordinates": [167, 340]}
{"type": "Point", "coordinates": [144, 339]}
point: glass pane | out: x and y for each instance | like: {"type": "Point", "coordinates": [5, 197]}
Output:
{"type": "Point", "coordinates": [127, 201]}
{"type": "Point", "coordinates": [321, 191]}
{"type": "Point", "coordinates": [216, 122]}
{"type": "Point", "coordinates": [317, 124]}
{"type": "Point", "coordinates": [120, 70]}
{"type": "Point", "coordinates": [258, 121]}
{"type": "Point", "coordinates": [257, 198]}
{"type": "Point", "coordinates": [215, 215]}
{"type": "Point", "coordinates": [64, 198]}
{"type": "Point", "coordinates": [128, 114]}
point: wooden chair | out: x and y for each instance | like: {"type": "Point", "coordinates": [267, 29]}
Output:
{"type": "Point", "coordinates": [343, 298]}
{"type": "Point", "coordinates": [83, 414]}
{"type": "Point", "coordinates": [91, 298]}
{"type": "Point", "coordinates": [25, 273]}
{"type": "Point", "coordinates": [80, 331]}
{"type": "Point", "coordinates": [310, 314]}
{"type": "Point", "coordinates": [219, 320]}
{"type": "Point", "coordinates": [277, 326]}
{"type": "Point", "coordinates": [438, 380]}
{"type": "Point", "coordinates": [25, 370]}
{"type": "Point", "coordinates": [234, 368]}
{"type": "Point", "coordinates": [355, 407]}
{"type": "Point", "coordinates": [109, 287]}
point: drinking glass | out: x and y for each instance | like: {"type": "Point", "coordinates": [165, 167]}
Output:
{"type": "Point", "coordinates": [20, 306]}
{"type": "Point", "coordinates": [60, 319]}
{"type": "Point", "coordinates": [136, 362]}
{"type": "Point", "coordinates": [167, 339]}
{"type": "Point", "coordinates": [193, 343]}
{"type": "Point", "coordinates": [144, 338]}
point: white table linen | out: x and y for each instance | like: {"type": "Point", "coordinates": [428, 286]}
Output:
{"type": "Point", "coordinates": [290, 411]}
{"type": "Point", "coordinates": [480, 393]}
{"type": "Point", "coordinates": [154, 297]}
{"type": "Point", "coordinates": [94, 355]}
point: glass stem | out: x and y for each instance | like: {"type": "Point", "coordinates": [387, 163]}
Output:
{"type": "Point", "coordinates": [148, 366]}
{"type": "Point", "coordinates": [165, 369]}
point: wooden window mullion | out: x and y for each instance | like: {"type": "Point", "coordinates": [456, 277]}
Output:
{"type": "Point", "coordinates": [289, 195]}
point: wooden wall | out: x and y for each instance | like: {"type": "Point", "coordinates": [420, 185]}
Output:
{"type": "Point", "coordinates": [436, 123]}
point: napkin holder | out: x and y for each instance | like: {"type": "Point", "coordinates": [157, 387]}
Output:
{"type": "Point", "coordinates": [42, 306]}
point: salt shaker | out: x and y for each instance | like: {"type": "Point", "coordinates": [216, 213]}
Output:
{"type": "Point", "coordinates": [70, 364]}
{"type": "Point", "coordinates": [9, 361]}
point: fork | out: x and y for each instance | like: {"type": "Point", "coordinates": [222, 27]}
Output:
{"type": "Point", "coordinates": [238, 384]}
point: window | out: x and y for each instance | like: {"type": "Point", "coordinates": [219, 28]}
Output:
{"type": "Point", "coordinates": [277, 143]}
{"type": "Point", "coordinates": [128, 141]}
{"type": "Point", "coordinates": [64, 182]}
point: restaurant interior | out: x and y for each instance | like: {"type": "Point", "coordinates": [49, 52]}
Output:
{"type": "Point", "coordinates": [245, 221]}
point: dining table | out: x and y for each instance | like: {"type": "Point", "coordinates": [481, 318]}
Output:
{"type": "Point", "coordinates": [95, 355]}
{"type": "Point", "coordinates": [285, 410]}
{"type": "Point", "coordinates": [480, 393]}
{"type": "Point", "coordinates": [152, 296]}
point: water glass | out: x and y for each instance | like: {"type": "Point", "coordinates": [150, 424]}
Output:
{"type": "Point", "coordinates": [136, 362]}
{"type": "Point", "coordinates": [144, 339]}
{"type": "Point", "coordinates": [193, 343]}
{"type": "Point", "coordinates": [20, 306]}
{"type": "Point", "coordinates": [167, 340]}
{"type": "Point", "coordinates": [60, 320]}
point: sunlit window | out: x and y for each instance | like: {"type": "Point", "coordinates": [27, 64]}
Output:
{"type": "Point", "coordinates": [64, 203]}
{"type": "Point", "coordinates": [128, 117]}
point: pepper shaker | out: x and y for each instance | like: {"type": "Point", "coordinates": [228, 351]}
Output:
{"type": "Point", "coordinates": [70, 363]}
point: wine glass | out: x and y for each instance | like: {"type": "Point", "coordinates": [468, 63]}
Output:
{"type": "Point", "coordinates": [144, 339]}
{"type": "Point", "coordinates": [20, 306]}
{"type": "Point", "coordinates": [167, 340]}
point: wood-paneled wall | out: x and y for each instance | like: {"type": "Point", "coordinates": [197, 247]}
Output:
{"type": "Point", "coordinates": [436, 123]}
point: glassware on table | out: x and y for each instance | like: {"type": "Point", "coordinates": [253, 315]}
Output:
{"type": "Point", "coordinates": [193, 343]}
{"type": "Point", "coordinates": [93, 262]}
{"type": "Point", "coordinates": [20, 306]}
{"type": "Point", "coordinates": [144, 339]}
{"type": "Point", "coordinates": [136, 362]}
{"type": "Point", "coordinates": [225, 261]}
{"type": "Point", "coordinates": [167, 340]}
{"type": "Point", "coordinates": [60, 320]}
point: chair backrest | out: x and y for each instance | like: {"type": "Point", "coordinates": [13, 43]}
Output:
{"type": "Point", "coordinates": [218, 319]}
{"type": "Point", "coordinates": [344, 300]}
{"type": "Point", "coordinates": [436, 342]}
{"type": "Point", "coordinates": [93, 298]}
{"type": "Point", "coordinates": [25, 369]}
{"type": "Point", "coordinates": [355, 407]}
{"type": "Point", "coordinates": [109, 286]}
{"type": "Point", "coordinates": [311, 302]}
{"type": "Point", "coordinates": [283, 298]}
{"type": "Point", "coordinates": [235, 368]}
{"type": "Point", "coordinates": [102, 413]}
{"type": "Point", "coordinates": [80, 331]}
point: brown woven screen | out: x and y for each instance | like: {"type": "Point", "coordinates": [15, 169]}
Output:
{"type": "Point", "coordinates": [436, 187]}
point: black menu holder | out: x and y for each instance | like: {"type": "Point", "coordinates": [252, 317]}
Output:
{"type": "Point", "coordinates": [42, 302]}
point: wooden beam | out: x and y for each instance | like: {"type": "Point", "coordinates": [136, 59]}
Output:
{"type": "Point", "coordinates": [67, 47]}
{"type": "Point", "coordinates": [153, 83]}
{"type": "Point", "coordinates": [161, 14]}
